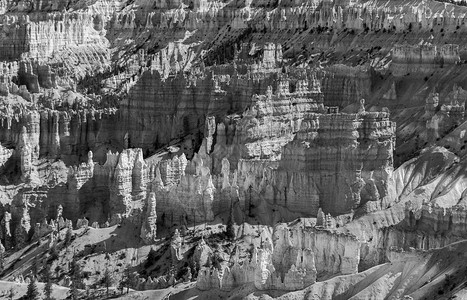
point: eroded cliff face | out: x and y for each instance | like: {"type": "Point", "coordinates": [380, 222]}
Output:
{"type": "Point", "coordinates": [292, 261]}
{"type": "Point", "coordinates": [160, 57]}
{"type": "Point", "coordinates": [172, 65]}
{"type": "Point", "coordinates": [390, 280]}
{"type": "Point", "coordinates": [422, 217]}
{"type": "Point", "coordinates": [180, 113]}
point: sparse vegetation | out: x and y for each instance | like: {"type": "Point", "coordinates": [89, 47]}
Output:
{"type": "Point", "coordinates": [76, 279]}
{"type": "Point", "coordinates": [230, 230]}
{"type": "Point", "coordinates": [48, 284]}
{"type": "Point", "coordinates": [32, 292]}
{"type": "Point", "coordinates": [53, 252]}
{"type": "Point", "coordinates": [107, 280]}
{"type": "Point", "coordinates": [290, 152]}
{"type": "Point", "coordinates": [127, 279]}
{"type": "Point", "coordinates": [11, 293]}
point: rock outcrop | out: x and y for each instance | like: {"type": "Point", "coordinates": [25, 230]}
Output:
{"type": "Point", "coordinates": [389, 279]}
{"type": "Point", "coordinates": [292, 262]}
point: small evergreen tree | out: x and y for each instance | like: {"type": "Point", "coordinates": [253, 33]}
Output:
{"type": "Point", "coordinates": [127, 279]}
{"type": "Point", "coordinates": [76, 274]}
{"type": "Point", "coordinates": [107, 280]}
{"type": "Point", "coordinates": [76, 279]}
{"type": "Point", "coordinates": [230, 230]}
{"type": "Point", "coordinates": [74, 293]}
{"type": "Point", "coordinates": [53, 252]}
{"type": "Point", "coordinates": [57, 270]}
{"type": "Point", "coordinates": [48, 284]}
{"type": "Point", "coordinates": [194, 270]}
{"type": "Point", "coordinates": [249, 205]}
{"type": "Point", "coordinates": [32, 292]}
{"type": "Point", "coordinates": [216, 260]}
{"type": "Point", "coordinates": [11, 293]}
{"type": "Point", "coordinates": [121, 286]}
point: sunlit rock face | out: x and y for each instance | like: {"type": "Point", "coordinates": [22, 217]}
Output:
{"type": "Point", "coordinates": [288, 146]}
{"type": "Point", "coordinates": [289, 259]}
{"type": "Point", "coordinates": [359, 146]}
{"type": "Point", "coordinates": [281, 151]}
{"type": "Point", "coordinates": [426, 215]}
{"type": "Point", "coordinates": [160, 109]}
{"type": "Point", "coordinates": [171, 114]}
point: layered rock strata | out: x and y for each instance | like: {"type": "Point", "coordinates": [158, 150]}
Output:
{"type": "Point", "coordinates": [300, 175]}
{"type": "Point", "coordinates": [422, 59]}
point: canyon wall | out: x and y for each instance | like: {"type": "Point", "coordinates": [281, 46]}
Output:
{"type": "Point", "coordinates": [175, 113]}
{"type": "Point", "coordinates": [247, 162]}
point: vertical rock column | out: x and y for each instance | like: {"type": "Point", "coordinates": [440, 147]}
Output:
{"type": "Point", "coordinates": [6, 236]}
{"type": "Point", "coordinates": [149, 226]}
{"type": "Point", "coordinates": [26, 158]}
{"type": "Point", "coordinates": [139, 177]}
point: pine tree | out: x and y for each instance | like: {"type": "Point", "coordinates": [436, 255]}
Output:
{"type": "Point", "coordinates": [121, 286]}
{"type": "Point", "coordinates": [216, 260]}
{"type": "Point", "coordinates": [57, 270]}
{"type": "Point", "coordinates": [11, 293]}
{"type": "Point", "coordinates": [48, 284]}
{"type": "Point", "coordinates": [194, 270]}
{"type": "Point", "coordinates": [127, 279]}
{"type": "Point", "coordinates": [74, 293]}
{"type": "Point", "coordinates": [32, 292]}
{"type": "Point", "coordinates": [53, 252]}
{"type": "Point", "coordinates": [76, 279]}
{"type": "Point", "coordinates": [230, 230]}
{"type": "Point", "coordinates": [107, 280]}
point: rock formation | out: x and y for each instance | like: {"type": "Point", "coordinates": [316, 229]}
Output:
{"type": "Point", "coordinates": [149, 227]}
{"type": "Point", "coordinates": [422, 59]}
{"type": "Point", "coordinates": [292, 262]}
{"type": "Point", "coordinates": [158, 116]}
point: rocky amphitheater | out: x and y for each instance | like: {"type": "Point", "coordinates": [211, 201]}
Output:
{"type": "Point", "coordinates": [233, 149]}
